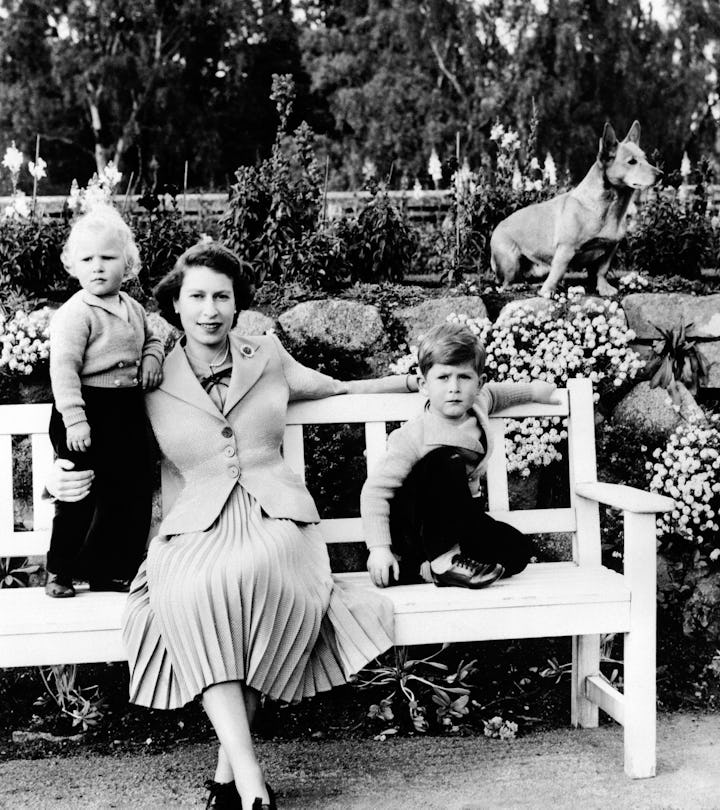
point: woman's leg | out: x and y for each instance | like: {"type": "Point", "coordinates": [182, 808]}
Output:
{"type": "Point", "coordinates": [223, 771]}
{"type": "Point", "coordinates": [224, 704]}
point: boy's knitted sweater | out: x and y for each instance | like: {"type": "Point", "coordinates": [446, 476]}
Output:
{"type": "Point", "coordinates": [90, 344]}
{"type": "Point", "coordinates": [416, 438]}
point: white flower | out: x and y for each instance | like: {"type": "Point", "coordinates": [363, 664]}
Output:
{"type": "Point", "coordinates": [417, 190]}
{"type": "Point", "coordinates": [510, 141]}
{"type": "Point", "coordinates": [37, 170]}
{"type": "Point", "coordinates": [74, 198]}
{"type": "Point", "coordinates": [13, 159]}
{"type": "Point", "coordinates": [369, 169]}
{"type": "Point", "coordinates": [497, 132]}
{"type": "Point", "coordinates": [110, 175]}
{"type": "Point", "coordinates": [549, 170]}
{"type": "Point", "coordinates": [434, 167]}
{"type": "Point", "coordinates": [19, 207]}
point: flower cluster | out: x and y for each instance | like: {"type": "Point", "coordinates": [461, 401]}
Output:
{"type": "Point", "coordinates": [24, 341]}
{"type": "Point", "coordinates": [566, 337]}
{"type": "Point", "coordinates": [633, 282]}
{"type": "Point", "coordinates": [500, 729]}
{"type": "Point", "coordinates": [688, 471]}
{"type": "Point", "coordinates": [99, 191]}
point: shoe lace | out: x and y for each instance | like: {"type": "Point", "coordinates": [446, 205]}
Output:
{"type": "Point", "coordinates": [463, 561]}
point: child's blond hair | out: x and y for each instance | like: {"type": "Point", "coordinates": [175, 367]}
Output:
{"type": "Point", "coordinates": [103, 217]}
{"type": "Point", "coordinates": [450, 344]}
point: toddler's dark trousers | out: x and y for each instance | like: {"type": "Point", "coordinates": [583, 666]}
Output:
{"type": "Point", "coordinates": [434, 510]}
{"type": "Point", "coordinates": [104, 536]}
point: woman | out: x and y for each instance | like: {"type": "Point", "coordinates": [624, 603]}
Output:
{"type": "Point", "coordinates": [236, 598]}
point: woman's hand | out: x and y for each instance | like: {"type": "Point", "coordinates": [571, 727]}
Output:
{"type": "Point", "coordinates": [67, 484]}
{"type": "Point", "coordinates": [381, 562]}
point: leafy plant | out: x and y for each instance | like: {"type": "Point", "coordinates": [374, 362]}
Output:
{"type": "Point", "coordinates": [15, 572]}
{"type": "Point", "coordinates": [677, 359]}
{"type": "Point", "coordinates": [673, 236]}
{"type": "Point", "coordinates": [274, 208]}
{"type": "Point", "coordinates": [83, 706]}
{"type": "Point", "coordinates": [380, 242]}
{"type": "Point", "coordinates": [412, 681]}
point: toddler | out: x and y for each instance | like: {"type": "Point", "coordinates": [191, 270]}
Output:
{"type": "Point", "coordinates": [102, 356]}
{"type": "Point", "coordinates": [422, 517]}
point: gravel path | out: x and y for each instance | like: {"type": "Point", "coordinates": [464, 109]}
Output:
{"type": "Point", "coordinates": [556, 769]}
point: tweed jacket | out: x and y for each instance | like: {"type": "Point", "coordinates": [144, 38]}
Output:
{"type": "Point", "coordinates": [415, 439]}
{"type": "Point", "coordinates": [206, 452]}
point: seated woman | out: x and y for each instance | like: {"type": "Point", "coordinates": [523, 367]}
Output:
{"type": "Point", "coordinates": [235, 598]}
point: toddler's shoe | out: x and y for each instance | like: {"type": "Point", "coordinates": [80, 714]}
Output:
{"type": "Point", "coordinates": [58, 587]}
{"type": "Point", "coordinates": [464, 572]}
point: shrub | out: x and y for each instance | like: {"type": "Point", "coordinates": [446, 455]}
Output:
{"type": "Point", "coordinates": [274, 208]}
{"type": "Point", "coordinates": [674, 236]}
{"type": "Point", "coordinates": [380, 243]}
{"type": "Point", "coordinates": [687, 470]}
{"type": "Point", "coordinates": [30, 256]}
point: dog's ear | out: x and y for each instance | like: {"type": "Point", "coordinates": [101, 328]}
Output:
{"type": "Point", "coordinates": [608, 144]}
{"type": "Point", "coordinates": [634, 133]}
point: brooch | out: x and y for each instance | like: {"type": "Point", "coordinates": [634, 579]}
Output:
{"type": "Point", "coordinates": [248, 351]}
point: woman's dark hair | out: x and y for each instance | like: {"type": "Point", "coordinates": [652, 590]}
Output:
{"type": "Point", "coordinates": [204, 254]}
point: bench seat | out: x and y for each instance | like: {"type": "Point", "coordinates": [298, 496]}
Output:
{"type": "Point", "coordinates": [547, 599]}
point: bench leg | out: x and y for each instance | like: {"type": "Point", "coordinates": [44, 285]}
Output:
{"type": "Point", "coordinates": [639, 653]}
{"type": "Point", "coordinates": [585, 662]}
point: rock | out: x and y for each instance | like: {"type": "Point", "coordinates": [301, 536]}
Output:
{"type": "Point", "coordinates": [645, 311]}
{"type": "Point", "coordinates": [649, 412]}
{"type": "Point", "coordinates": [419, 318]}
{"type": "Point", "coordinates": [335, 323]}
{"type": "Point", "coordinates": [250, 322]}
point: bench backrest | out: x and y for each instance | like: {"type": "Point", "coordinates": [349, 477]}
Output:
{"type": "Point", "coordinates": [375, 411]}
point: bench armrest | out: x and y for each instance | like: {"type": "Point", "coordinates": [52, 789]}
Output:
{"type": "Point", "coordinates": [629, 499]}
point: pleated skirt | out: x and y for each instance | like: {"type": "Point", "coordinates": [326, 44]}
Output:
{"type": "Point", "coordinates": [251, 599]}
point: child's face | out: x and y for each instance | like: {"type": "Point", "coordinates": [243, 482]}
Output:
{"type": "Point", "coordinates": [451, 390]}
{"type": "Point", "coordinates": [98, 262]}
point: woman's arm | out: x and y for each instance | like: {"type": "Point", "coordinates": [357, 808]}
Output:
{"type": "Point", "coordinates": [67, 484]}
{"type": "Point", "coordinates": [395, 384]}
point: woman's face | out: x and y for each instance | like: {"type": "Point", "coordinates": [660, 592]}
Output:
{"type": "Point", "coordinates": [206, 307]}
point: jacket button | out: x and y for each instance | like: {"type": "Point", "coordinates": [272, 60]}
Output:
{"type": "Point", "coordinates": [134, 380]}
{"type": "Point", "coordinates": [117, 382]}
{"type": "Point", "coordinates": [121, 364]}
{"type": "Point", "coordinates": [229, 451]}
{"type": "Point", "coordinates": [227, 431]}
{"type": "Point", "coordinates": [233, 472]}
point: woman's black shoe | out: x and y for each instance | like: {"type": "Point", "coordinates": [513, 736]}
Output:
{"type": "Point", "coordinates": [223, 796]}
{"type": "Point", "coordinates": [259, 805]}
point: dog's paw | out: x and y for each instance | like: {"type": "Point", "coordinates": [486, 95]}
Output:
{"type": "Point", "coordinates": [605, 289]}
{"type": "Point", "coordinates": [546, 292]}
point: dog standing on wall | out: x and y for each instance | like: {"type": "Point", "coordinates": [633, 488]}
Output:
{"type": "Point", "coordinates": [580, 228]}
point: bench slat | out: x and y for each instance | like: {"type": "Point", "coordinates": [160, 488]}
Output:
{"type": "Point", "coordinates": [496, 479]}
{"type": "Point", "coordinates": [7, 516]}
{"type": "Point", "coordinates": [294, 449]}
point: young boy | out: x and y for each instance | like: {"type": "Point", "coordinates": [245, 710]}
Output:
{"type": "Point", "coordinates": [421, 515]}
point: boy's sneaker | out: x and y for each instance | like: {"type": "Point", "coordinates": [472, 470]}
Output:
{"type": "Point", "coordinates": [464, 572]}
{"type": "Point", "coordinates": [58, 587]}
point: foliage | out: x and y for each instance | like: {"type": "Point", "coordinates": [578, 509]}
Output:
{"type": "Point", "coordinates": [412, 681]}
{"type": "Point", "coordinates": [380, 242]}
{"type": "Point", "coordinates": [83, 706]}
{"type": "Point", "coordinates": [30, 256]}
{"type": "Point", "coordinates": [677, 359]}
{"type": "Point", "coordinates": [687, 470]}
{"type": "Point", "coordinates": [274, 208]}
{"type": "Point", "coordinates": [15, 572]}
{"type": "Point", "coordinates": [672, 237]}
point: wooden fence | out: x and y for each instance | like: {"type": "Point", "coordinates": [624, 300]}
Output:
{"type": "Point", "coordinates": [421, 207]}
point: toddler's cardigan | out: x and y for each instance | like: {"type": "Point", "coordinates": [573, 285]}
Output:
{"type": "Point", "coordinates": [92, 345]}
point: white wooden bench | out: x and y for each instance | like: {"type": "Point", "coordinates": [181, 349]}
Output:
{"type": "Point", "coordinates": [581, 598]}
